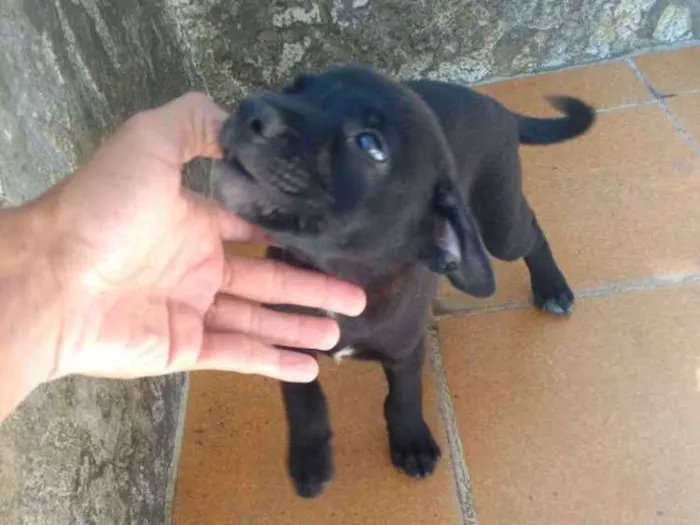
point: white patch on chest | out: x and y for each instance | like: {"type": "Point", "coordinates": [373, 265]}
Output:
{"type": "Point", "coordinates": [343, 353]}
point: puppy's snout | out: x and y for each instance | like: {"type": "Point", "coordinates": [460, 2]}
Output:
{"type": "Point", "coordinates": [261, 119]}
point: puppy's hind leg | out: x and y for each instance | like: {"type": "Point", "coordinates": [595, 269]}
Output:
{"type": "Point", "coordinates": [550, 290]}
{"type": "Point", "coordinates": [310, 460]}
{"type": "Point", "coordinates": [411, 443]}
{"type": "Point", "coordinates": [510, 231]}
{"type": "Point", "coordinates": [525, 239]}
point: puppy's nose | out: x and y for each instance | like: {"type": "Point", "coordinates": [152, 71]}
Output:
{"type": "Point", "coordinates": [262, 120]}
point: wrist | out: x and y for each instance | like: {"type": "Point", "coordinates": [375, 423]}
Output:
{"type": "Point", "coordinates": [29, 318]}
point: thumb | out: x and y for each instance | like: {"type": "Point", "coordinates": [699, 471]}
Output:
{"type": "Point", "coordinates": [191, 124]}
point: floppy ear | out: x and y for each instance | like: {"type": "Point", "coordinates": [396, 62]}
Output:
{"type": "Point", "coordinates": [458, 250]}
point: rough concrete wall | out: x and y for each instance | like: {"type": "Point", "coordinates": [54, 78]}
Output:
{"type": "Point", "coordinates": [94, 452]}
{"type": "Point", "coordinates": [83, 451]}
{"type": "Point", "coordinates": [70, 71]}
{"type": "Point", "coordinates": [245, 45]}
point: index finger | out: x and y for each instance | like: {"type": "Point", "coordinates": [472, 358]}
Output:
{"type": "Point", "coordinates": [268, 281]}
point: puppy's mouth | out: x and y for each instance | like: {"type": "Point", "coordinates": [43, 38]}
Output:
{"type": "Point", "coordinates": [282, 221]}
{"type": "Point", "coordinates": [237, 166]}
{"type": "Point", "coordinates": [268, 212]}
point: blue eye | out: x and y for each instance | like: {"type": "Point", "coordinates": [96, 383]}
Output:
{"type": "Point", "coordinates": [370, 144]}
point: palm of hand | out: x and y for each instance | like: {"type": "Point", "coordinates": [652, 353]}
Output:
{"type": "Point", "coordinates": [152, 297]}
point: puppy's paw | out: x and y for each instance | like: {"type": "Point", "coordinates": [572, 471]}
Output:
{"type": "Point", "coordinates": [415, 452]}
{"type": "Point", "coordinates": [554, 297]}
{"type": "Point", "coordinates": [560, 305]}
{"type": "Point", "coordinates": [311, 468]}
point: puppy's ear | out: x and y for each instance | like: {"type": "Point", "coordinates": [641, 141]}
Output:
{"type": "Point", "coordinates": [458, 251]}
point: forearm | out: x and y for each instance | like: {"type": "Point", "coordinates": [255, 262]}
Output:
{"type": "Point", "coordinates": [28, 299]}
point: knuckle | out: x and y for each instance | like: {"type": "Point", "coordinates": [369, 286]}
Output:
{"type": "Point", "coordinates": [228, 275]}
{"type": "Point", "coordinates": [258, 361]}
{"type": "Point", "coordinates": [212, 314]}
{"type": "Point", "coordinates": [250, 318]}
{"type": "Point", "coordinates": [296, 330]}
{"type": "Point", "coordinates": [276, 282]}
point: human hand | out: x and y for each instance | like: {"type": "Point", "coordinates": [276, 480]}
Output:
{"type": "Point", "coordinates": [141, 282]}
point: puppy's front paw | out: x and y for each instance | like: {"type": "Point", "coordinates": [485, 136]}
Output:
{"type": "Point", "coordinates": [311, 468]}
{"type": "Point", "coordinates": [414, 452]}
{"type": "Point", "coordinates": [554, 296]}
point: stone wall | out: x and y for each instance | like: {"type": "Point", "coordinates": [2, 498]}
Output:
{"type": "Point", "coordinates": [244, 45]}
{"type": "Point", "coordinates": [84, 451]}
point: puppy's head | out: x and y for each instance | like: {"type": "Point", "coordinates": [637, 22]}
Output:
{"type": "Point", "coordinates": [348, 165]}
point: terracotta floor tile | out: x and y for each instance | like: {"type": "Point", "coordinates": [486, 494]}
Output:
{"type": "Point", "coordinates": [687, 109]}
{"type": "Point", "coordinates": [672, 72]}
{"type": "Point", "coordinates": [618, 204]}
{"type": "Point", "coordinates": [603, 86]}
{"type": "Point", "coordinates": [593, 420]}
{"type": "Point", "coordinates": [232, 468]}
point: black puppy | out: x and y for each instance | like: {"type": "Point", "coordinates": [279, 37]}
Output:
{"type": "Point", "coordinates": [388, 185]}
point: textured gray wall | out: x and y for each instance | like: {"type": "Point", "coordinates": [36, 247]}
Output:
{"type": "Point", "coordinates": [70, 71]}
{"type": "Point", "coordinates": [83, 451]}
{"type": "Point", "coordinates": [244, 45]}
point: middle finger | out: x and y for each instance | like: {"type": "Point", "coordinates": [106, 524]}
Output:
{"type": "Point", "coordinates": [231, 314]}
{"type": "Point", "coordinates": [267, 281]}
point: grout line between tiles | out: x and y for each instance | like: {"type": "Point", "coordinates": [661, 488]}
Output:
{"type": "Point", "coordinates": [663, 105]}
{"type": "Point", "coordinates": [594, 62]}
{"type": "Point", "coordinates": [442, 310]}
{"type": "Point", "coordinates": [682, 92]}
{"type": "Point", "coordinates": [642, 103]}
{"type": "Point", "coordinates": [460, 472]}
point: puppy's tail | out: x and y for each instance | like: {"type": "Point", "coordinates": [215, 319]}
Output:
{"type": "Point", "coordinates": [579, 118]}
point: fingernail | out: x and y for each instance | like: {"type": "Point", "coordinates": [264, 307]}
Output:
{"type": "Point", "coordinates": [331, 337]}
{"type": "Point", "coordinates": [298, 368]}
{"type": "Point", "coordinates": [358, 305]}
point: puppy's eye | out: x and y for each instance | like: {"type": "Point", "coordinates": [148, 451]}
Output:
{"type": "Point", "coordinates": [370, 144]}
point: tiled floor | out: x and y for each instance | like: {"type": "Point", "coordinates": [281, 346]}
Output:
{"type": "Point", "coordinates": [590, 420]}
